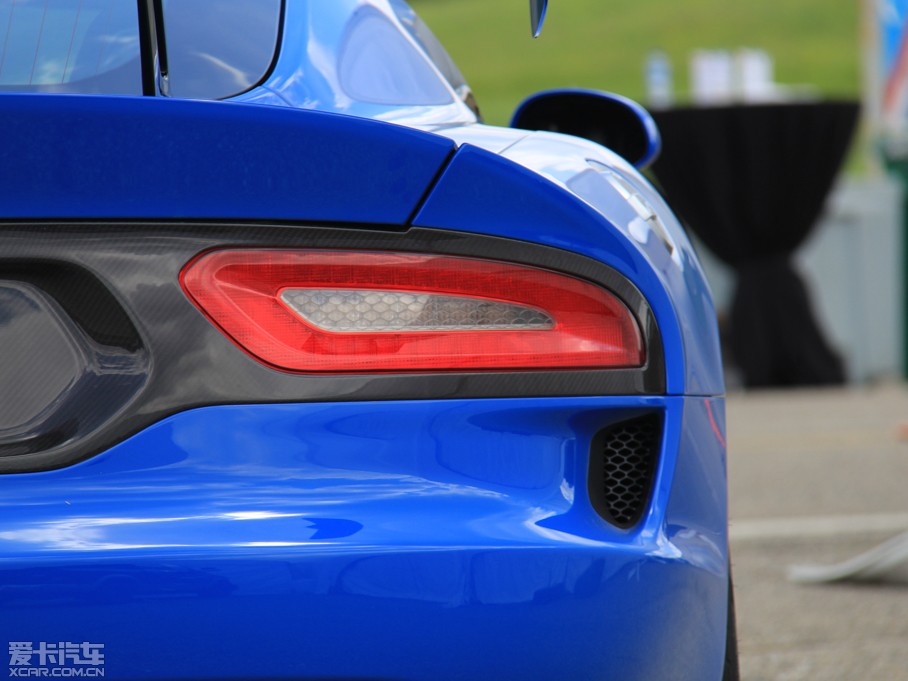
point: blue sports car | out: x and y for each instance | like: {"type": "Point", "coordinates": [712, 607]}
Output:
{"type": "Point", "coordinates": [306, 373]}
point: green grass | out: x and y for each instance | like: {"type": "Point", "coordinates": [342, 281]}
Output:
{"type": "Point", "coordinates": [603, 43]}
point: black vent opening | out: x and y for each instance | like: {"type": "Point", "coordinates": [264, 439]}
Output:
{"type": "Point", "coordinates": [623, 460]}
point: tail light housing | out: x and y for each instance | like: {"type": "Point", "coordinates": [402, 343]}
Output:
{"type": "Point", "coordinates": [330, 311]}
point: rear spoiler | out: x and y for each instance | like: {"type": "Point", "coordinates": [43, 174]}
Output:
{"type": "Point", "coordinates": [106, 157]}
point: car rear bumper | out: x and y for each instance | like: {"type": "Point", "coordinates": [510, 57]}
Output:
{"type": "Point", "coordinates": [444, 539]}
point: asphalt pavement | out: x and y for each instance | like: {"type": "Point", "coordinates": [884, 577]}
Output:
{"type": "Point", "coordinates": [817, 477]}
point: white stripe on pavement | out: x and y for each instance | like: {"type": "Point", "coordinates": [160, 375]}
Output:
{"type": "Point", "coordinates": [817, 526]}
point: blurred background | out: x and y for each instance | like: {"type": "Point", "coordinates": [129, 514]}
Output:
{"type": "Point", "coordinates": [604, 44]}
{"type": "Point", "coordinates": [852, 259]}
{"type": "Point", "coordinates": [818, 462]}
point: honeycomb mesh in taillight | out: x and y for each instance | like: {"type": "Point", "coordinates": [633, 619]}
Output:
{"type": "Point", "coordinates": [623, 459]}
{"type": "Point", "coordinates": [325, 311]}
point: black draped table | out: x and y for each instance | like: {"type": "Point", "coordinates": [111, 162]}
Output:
{"type": "Point", "coordinates": [750, 180]}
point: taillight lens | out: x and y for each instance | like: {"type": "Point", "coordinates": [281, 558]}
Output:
{"type": "Point", "coordinates": [353, 312]}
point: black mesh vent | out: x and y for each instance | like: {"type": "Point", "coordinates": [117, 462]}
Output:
{"type": "Point", "coordinates": [622, 462]}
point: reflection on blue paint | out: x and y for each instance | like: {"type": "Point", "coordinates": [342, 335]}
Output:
{"type": "Point", "coordinates": [414, 523]}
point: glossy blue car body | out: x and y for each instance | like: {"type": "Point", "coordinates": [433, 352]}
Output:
{"type": "Point", "coordinates": [348, 538]}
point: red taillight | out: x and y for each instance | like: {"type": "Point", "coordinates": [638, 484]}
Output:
{"type": "Point", "coordinates": [354, 312]}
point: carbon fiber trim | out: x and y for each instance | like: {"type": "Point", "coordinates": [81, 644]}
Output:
{"type": "Point", "coordinates": [191, 363]}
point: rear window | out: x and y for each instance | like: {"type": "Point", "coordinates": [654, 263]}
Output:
{"type": "Point", "coordinates": [89, 46]}
{"type": "Point", "coordinates": [215, 49]}
{"type": "Point", "coordinates": [219, 48]}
